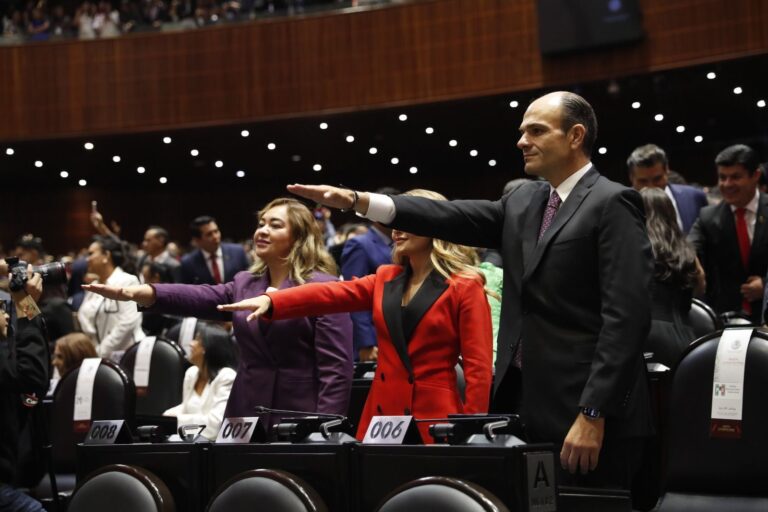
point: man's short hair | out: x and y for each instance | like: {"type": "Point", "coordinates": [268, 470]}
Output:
{"type": "Point", "coordinates": [647, 156]}
{"type": "Point", "coordinates": [31, 242]}
{"type": "Point", "coordinates": [739, 154]}
{"type": "Point", "coordinates": [577, 110]}
{"type": "Point", "coordinates": [160, 232]}
{"type": "Point", "coordinates": [199, 222]}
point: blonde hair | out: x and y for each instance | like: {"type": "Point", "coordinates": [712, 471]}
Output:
{"type": "Point", "coordinates": [447, 258]}
{"type": "Point", "coordinates": [308, 253]}
{"type": "Point", "coordinates": [74, 347]}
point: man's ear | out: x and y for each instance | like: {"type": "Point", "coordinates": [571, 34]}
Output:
{"type": "Point", "coordinates": [576, 135]}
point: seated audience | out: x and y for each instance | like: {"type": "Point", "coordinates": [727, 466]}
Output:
{"type": "Point", "coordinates": [208, 382]}
{"type": "Point", "coordinates": [429, 308]}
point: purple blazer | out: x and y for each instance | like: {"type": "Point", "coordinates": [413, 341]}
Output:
{"type": "Point", "coordinates": [300, 364]}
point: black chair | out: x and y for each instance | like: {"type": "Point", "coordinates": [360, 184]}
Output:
{"type": "Point", "coordinates": [708, 474]}
{"type": "Point", "coordinates": [122, 488]}
{"type": "Point", "coordinates": [166, 378]}
{"type": "Point", "coordinates": [703, 319]}
{"type": "Point", "coordinates": [266, 489]}
{"type": "Point", "coordinates": [113, 398]}
{"type": "Point", "coordinates": [441, 493]}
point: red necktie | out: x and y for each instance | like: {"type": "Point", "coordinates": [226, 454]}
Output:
{"type": "Point", "coordinates": [215, 267]}
{"type": "Point", "coordinates": [744, 248]}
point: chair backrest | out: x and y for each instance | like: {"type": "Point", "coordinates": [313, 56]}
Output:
{"type": "Point", "coordinates": [166, 377]}
{"type": "Point", "coordinates": [441, 493]}
{"type": "Point", "coordinates": [698, 463]}
{"type": "Point", "coordinates": [703, 319]}
{"type": "Point", "coordinates": [266, 489]}
{"type": "Point", "coordinates": [114, 398]}
{"type": "Point", "coordinates": [121, 488]}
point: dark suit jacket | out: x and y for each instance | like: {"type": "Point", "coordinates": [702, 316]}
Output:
{"type": "Point", "coordinates": [303, 364]}
{"type": "Point", "coordinates": [194, 269]}
{"type": "Point", "coordinates": [579, 299]}
{"type": "Point", "coordinates": [714, 236]}
{"type": "Point", "coordinates": [690, 201]}
{"type": "Point", "coordinates": [362, 255]}
{"type": "Point", "coordinates": [417, 358]}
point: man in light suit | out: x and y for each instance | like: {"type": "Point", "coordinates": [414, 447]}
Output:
{"type": "Point", "coordinates": [648, 167]}
{"type": "Point", "coordinates": [575, 301]}
{"type": "Point", "coordinates": [198, 266]}
{"type": "Point", "coordinates": [731, 238]}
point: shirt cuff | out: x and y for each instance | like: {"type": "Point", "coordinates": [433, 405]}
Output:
{"type": "Point", "coordinates": [381, 208]}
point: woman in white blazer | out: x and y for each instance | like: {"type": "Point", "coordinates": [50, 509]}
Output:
{"type": "Point", "coordinates": [208, 381]}
{"type": "Point", "coordinates": [112, 325]}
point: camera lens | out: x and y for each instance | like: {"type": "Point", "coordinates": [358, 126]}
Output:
{"type": "Point", "coordinates": [52, 273]}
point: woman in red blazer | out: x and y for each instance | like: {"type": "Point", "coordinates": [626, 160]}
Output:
{"type": "Point", "coordinates": [428, 309]}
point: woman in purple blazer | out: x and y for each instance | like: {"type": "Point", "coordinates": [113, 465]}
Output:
{"type": "Point", "coordinates": [300, 364]}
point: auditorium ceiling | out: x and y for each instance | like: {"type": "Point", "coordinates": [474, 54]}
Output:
{"type": "Point", "coordinates": [464, 148]}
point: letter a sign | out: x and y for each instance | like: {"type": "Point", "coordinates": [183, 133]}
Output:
{"type": "Point", "coordinates": [540, 467]}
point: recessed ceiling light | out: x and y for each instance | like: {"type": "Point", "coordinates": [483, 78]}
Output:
{"type": "Point", "coordinates": [240, 174]}
{"type": "Point", "coordinates": [680, 129]}
{"type": "Point", "coordinates": [82, 183]}
{"type": "Point", "coordinates": [453, 143]}
{"type": "Point", "coordinates": [711, 75]}
{"type": "Point", "coordinates": [296, 158]}
{"type": "Point", "coordinates": [141, 170]}
{"type": "Point", "coordinates": [413, 170]}
{"type": "Point", "coordinates": [492, 163]}
{"type": "Point", "coordinates": [373, 151]}
{"type": "Point", "coordinates": [635, 105]}
{"type": "Point", "coordinates": [698, 138]}
{"type": "Point", "coordinates": [323, 126]}
{"type": "Point", "coordinates": [659, 117]}
{"type": "Point", "coordinates": [64, 174]}
{"type": "Point", "coordinates": [760, 103]}
{"type": "Point", "coordinates": [603, 150]}
{"type": "Point", "coordinates": [350, 138]}
{"type": "Point", "coordinates": [737, 90]}
{"type": "Point", "coordinates": [429, 130]}
{"type": "Point", "coordinates": [116, 159]}
{"type": "Point", "coordinates": [402, 117]}
{"type": "Point", "coordinates": [317, 167]}
{"type": "Point", "coordinates": [38, 163]}
{"type": "Point", "coordinates": [194, 152]}
{"type": "Point", "coordinates": [473, 152]}
{"type": "Point", "coordinates": [167, 140]}
{"type": "Point", "coordinates": [271, 146]}
{"type": "Point", "coordinates": [514, 104]}
{"type": "Point", "coordinates": [88, 146]}
{"type": "Point", "coordinates": [9, 151]}
{"type": "Point", "coordinates": [395, 160]}
{"type": "Point", "coordinates": [163, 180]}
{"type": "Point", "coordinates": [219, 163]}
{"type": "Point", "coordinates": [245, 133]}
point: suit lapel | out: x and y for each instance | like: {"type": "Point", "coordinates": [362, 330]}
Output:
{"type": "Point", "coordinates": [729, 241]}
{"type": "Point", "coordinates": [758, 238]}
{"type": "Point", "coordinates": [203, 265]}
{"type": "Point", "coordinates": [390, 305]}
{"type": "Point", "coordinates": [431, 290]}
{"type": "Point", "coordinates": [564, 214]}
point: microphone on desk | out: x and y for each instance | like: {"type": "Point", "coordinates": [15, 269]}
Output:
{"type": "Point", "coordinates": [260, 409]}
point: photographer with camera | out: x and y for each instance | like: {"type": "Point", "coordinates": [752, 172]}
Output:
{"type": "Point", "coordinates": [24, 361]}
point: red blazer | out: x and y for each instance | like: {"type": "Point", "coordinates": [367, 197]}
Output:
{"type": "Point", "coordinates": [419, 345]}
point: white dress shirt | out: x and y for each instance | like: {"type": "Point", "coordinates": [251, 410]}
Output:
{"type": "Point", "coordinates": [112, 325]}
{"type": "Point", "coordinates": [206, 408]}
{"type": "Point", "coordinates": [750, 215]}
{"type": "Point", "coordinates": [219, 262]}
{"type": "Point", "coordinates": [671, 197]}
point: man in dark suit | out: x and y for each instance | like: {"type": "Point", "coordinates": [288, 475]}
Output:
{"type": "Point", "coordinates": [731, 238]}
{"type": "Point", "coordinates": [212, 262]}
{"type": "Point", "coordinates": [648, 167]}
{"type": "Point", "coordinates": [155, 246]}
{"type": "Point", "coordinates": [575, 301]}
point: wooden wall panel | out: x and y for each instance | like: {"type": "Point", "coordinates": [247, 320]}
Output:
{"type": "Point", "coordinates": [401, 54]}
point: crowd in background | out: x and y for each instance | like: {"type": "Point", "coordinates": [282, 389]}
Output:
{"type": "Point", "coordinates": [42, 20]}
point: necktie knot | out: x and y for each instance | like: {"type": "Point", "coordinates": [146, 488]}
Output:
{"type": "Point", "coordinates": [740, 212]}
{"type": "Point", "coordinates": [549, 213]}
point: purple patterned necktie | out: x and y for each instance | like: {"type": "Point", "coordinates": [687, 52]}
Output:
{"type": "Point", "coordinates": [549, 213]}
